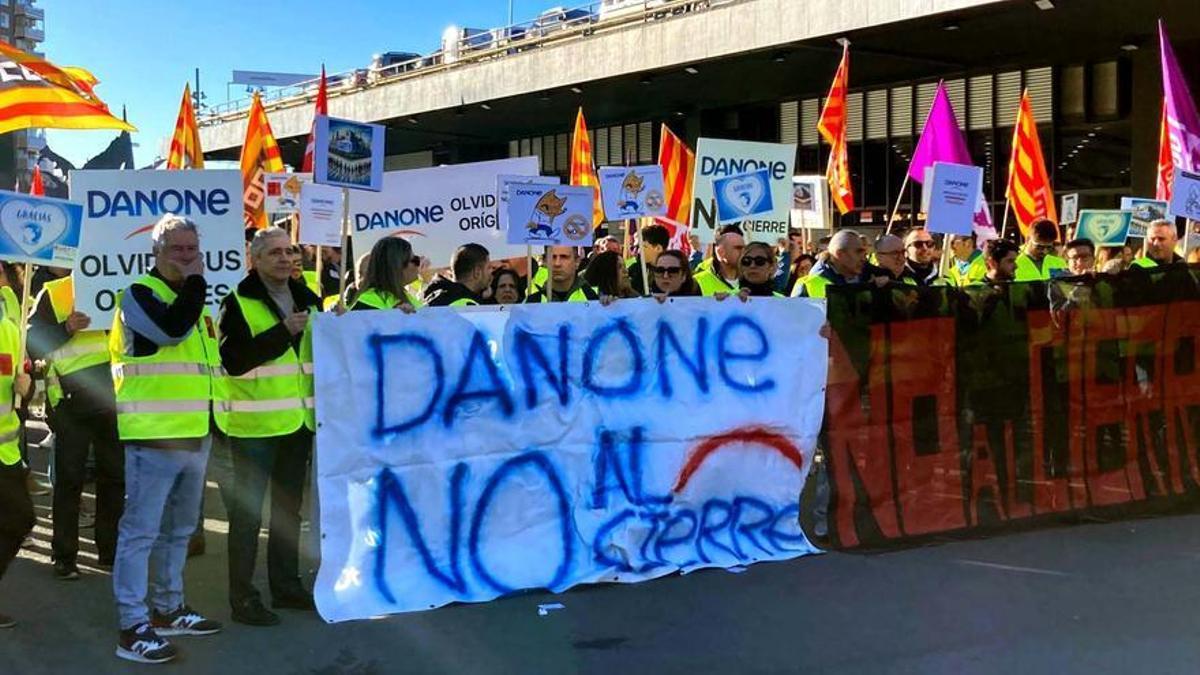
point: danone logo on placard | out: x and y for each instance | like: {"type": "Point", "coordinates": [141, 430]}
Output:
{"type": "Point", "coordinates": [717, 159]}
{"type": "Point", "coordinates": [120, 209]}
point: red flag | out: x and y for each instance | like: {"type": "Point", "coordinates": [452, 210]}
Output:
{"type": "Point", "coordinates": [678, 162]}
{"type": "Point", "coordinates": [1029, 188]}
{"type": "Point", "coordinates": [1165, 175]}
{"type": "Point", "coordinates": [583, 171]}
{"type": "Point", "coordinates": [35, 183]}
{"type": "Point", "coordinates": [832, 126]}
{"type": "Point", "coordinates": [321, 108]}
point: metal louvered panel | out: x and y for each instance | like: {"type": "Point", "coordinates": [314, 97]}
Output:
{"type": "Point", "coordinates": [548, 154]}
{"type": "Point", "coordinates": [925, 94]}
{"type": "Point", "coordinates": [901, 119]}
{"type": "Point", "coordinates": [535, 147]}
{"type": "Point", "coordinates": [1008, 98]}
{"type": "Point", "coordinates": [854, 116]}
{"type": "Point", "coordinates": [514, 148]}
{"type": "Point", "coordinates": [562, 153]}
{"type": "Point", "coordinates": [957, 91]}
{"type": "Point", "coordinates": [631, 143]}
{"type": "Point", "coordinates": [1104, 89]}
{"type": "Point", "coordinates": [616, 147]}
{"type": "Point", "coordinates": [789, 122]}
{"type": "Point", "coordinates": [524, 147]}
{"type": "Point", "coordinates": [600, 147]}
{"type": "Point", "coordinates": [645, 142]}
{"type": "Point", "coordinates": [1070, 93]}
{"type": "Point", "coordinates": [979, 108]}
{"type": "Point", "coordinates": [810, 112]}
{"type": "Point", "coordinates": [876, 114]}
{"type": "Point", "coordinates": [1040, 83]}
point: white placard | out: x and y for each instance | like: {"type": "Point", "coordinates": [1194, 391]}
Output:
{"type": "Point", "coordinates": [809, 207]}
{"type": "Point", "coordinates": [632, 192]}
{"type": "Point", "coordinates": [320, 215]}
{"type": "Point", "coordinates": [281, 191]}
{"type": "Point", "coordinates": [121, 207]}
{"type": "Point", "coordinates": [718, 158]}
{"type": "Point", "coordinates": [503, 183]}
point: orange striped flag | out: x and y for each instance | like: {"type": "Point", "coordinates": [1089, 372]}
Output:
{"type": "Point", "coordinates": [260, 154]}
{"type": "Point", "coordinates": [678, 162]}
{"type": "Point", "coordinates": [185, 144]}
{"type": "Point", "coordinates": [583, 170]}
{"type": "Point", "coordinates": [37, 93]}
{"type": "Point", "coordinates": [1029, 189]}
{"type": "Point", "coordinates": [321, 108]}
{"type": "Point", "coordinates": [1165, 175]}
{"type": "Point", "coordinates": [832, 125]}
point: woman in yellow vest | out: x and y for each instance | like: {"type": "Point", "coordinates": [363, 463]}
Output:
{"type": "Point", "coordinates": [391, 269]}
{"type": "Point", "coordinates": [16, 509]}
{"type": "Point", "coordinates": [266, 353]}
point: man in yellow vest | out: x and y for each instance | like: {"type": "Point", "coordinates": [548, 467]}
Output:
{"type": "Point", "coordinates": [266, 351]}
{"type": "Point", "coordinates": [165, 367]}
{"type": "Point", "coordinates": [921, 265]}
{"type": "Point", "coordinates": [847, 255]}
{"type": "Point", "coordinates": [566, 284]}
{"type": "Point", "coordinates": [470, 274]}
{"type": "Point", "coordinates": [1000, 257]}
{"type": "Point", "coordinates": [1161, 239]}
{"type": "Point", "coordinates": [81, 412]}
{"type": "Point", "coordinates": [966, 264]}
{"type": "Point", "coordinates": [1038, 262]}
{"type": "Point", "coordinates": [722, 276]}
{"type": "Point", "coordinates": [16, 509]}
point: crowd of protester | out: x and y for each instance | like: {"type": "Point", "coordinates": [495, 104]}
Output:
{"type": "Point", "coordinates": [149, 397]}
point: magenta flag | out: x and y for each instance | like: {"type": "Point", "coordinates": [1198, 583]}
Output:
{"type": "Point", "coordinates": [941, 139]}
{"type": "Point", "coordinates": [1183, 124]}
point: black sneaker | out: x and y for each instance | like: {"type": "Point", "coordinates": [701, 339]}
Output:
{"type": "Point", "coordinates": [65, 571]}
{"type": "Point", "coordinates": [143, 645]}
{"type": "Point", "coordinates": [183, 621]}
{"type": "Point", "coordinates": [252, 613]}
{"type": "Point", "coordinates": [7, 621]}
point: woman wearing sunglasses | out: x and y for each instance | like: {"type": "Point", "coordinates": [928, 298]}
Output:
{"type": "Point", "coordinates": [392, 267]}
{"type": "Point", "coordinates": [673, 276]}
{"type": "Point", "coordinates": [758, 271]}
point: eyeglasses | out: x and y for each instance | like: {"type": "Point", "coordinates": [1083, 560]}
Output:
{"type": "Point", "coordinates": [755, 261]}
{"type": "Point", "coordinates": [666, 271]}
{"type": "Point", "coordinates": [922, 244]}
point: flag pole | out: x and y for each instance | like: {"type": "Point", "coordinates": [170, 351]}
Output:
{"type": "Point", "coordinates": [1004, 223]}
{"type": "Point", "coordinates": [899, 199]}
{"type": "Point", "coordinates": [341, 304]}
{"type": "Point", "coordinates": [23, 325]}
{"type": "Point", "coordinates": [320, 268]}
{"type": "Point", "coordinates": [528, 272]}
{"type": "Point", "coordinates": [642, 261]}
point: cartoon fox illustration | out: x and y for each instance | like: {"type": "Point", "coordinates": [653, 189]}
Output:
{"type": "Point", "coordinates": [631, 188]}
{"type": "Point", "coordinates": [549, 206]}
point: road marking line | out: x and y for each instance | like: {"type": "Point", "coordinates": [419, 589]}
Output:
{"type": "Point", "coordinates": [1013, 568]}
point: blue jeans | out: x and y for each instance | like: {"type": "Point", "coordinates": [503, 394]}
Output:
{"type": "Point", "coordinates": [162, 507]}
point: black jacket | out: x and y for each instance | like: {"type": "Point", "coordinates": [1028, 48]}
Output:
{"type": "Point", "coordinates": [441, 292]}
{"type": "Point", "coordinates": [241, 351]}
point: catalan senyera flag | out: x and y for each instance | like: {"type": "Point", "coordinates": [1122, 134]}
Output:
{"type": "Point", "coordinates": [583, 170]}
{"type": "Point", "coordinates": [260, 154]}
{"type": "Point", "coordinates": [37, 93]}
{"type": "Point", "coordinates": [832, 125]}
{"type": "Point", "coordinates": [321, 108]}
{"type": "Point", "coordinates": [1165, 175]}
{"type": "Point", "coordinates": [185, 150]}
{"type": "Point", "coordinates": [1029, 190]}
{"type": "Point", "coordinates": [678, 162]}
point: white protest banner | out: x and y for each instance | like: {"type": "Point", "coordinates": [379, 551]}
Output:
{"type": "Point", "coordinates": [550, 215]}
{"type": "Point", "coordinates": [1144, 211]}
{"type": "Point", "coordinates": [348, 154]}
{"type": "Point", "coordinates": [632, 191]}
{"type": "Point", "coordinates": [282, 191]}
{"type": "Point", "coordinates": [463, 456]}
{"type": "Point", "coordinates": [718, 158]}
{"type": "Point", "coordinates": [1185, 197]}
{"type": "Point", "coordinates": [320, 215]}
{"type": "Point", "coordinates": [1068, 209]}
{"type": "Point", "coordinates": [39, 230]}
{"type": "Point", "coordinates": [438, 209]}
{"type": "Point", "coordinates": [503, 183]}
{"type": "Point", "coordinates": [121, 207]}
{"type": "Point", "coordinates": [953, 198]}
{"type": "Point", "coordinates": [809, 209]}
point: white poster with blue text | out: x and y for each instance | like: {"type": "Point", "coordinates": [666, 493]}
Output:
{"type": "Point", "coordinates": [718, 158]}
{"type": "Point", "coordinates": [119, 211]}
{"type": "Point", "coordinates": [438, 209]}
{"type": "Point", "coordinates": [464, 456]}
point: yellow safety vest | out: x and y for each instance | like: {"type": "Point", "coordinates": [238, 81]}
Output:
{"type": "Point", "coordinates": [10, 304]}
{"type": "Point", "coordinates": [1145, 262]}
{"type": "Point", "coordinates": [310, 280]}
{"type": "Point", "coordinates": [377, 299]}
{"type": "Point", "coordinates": [170, 393]}
{"type": "Point", "coordinates": [275, 398]}
{"type": "Point", "coordinates": [82, 350]}
{"type": "Point", "coordinates": [539, 279]}
{"type": "Point", "coordinates": [976, 270]}
{"type": "Point", "coordinates": [463, 302]}
{"type": "Point", "coordinates": [10, 424]}
{"type": "Point", "coordinates": [814, 285]}
{"type": "Point", "coordinates": [577, 295]}
{"type": "Point", "coordinates": [711, 283]}
{"type": "Point", "coordinates": [1027, 270]}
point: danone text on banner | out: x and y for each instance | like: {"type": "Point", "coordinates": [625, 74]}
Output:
{"type": "Point", "coordinates": [719, 158]}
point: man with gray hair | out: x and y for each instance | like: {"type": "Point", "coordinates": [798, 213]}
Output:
{"type": "Point", "coordinates": [165, 365]}
{"type": "Point", "coordinates": [847, 256]}
{"type": "Point", "coordinates": [1161, 238]}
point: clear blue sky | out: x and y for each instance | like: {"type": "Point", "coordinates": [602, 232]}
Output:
{"type": "Point", "coordinates": [143, 51]}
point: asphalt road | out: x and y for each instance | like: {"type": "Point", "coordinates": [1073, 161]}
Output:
{"type": "Point", "coordinates": [1113, 598]}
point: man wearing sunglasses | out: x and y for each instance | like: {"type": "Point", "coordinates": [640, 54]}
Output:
{"type": "Point", "coordinates": [1038, 262]}
{"type": "Point", "coordinates": [921, 265]}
